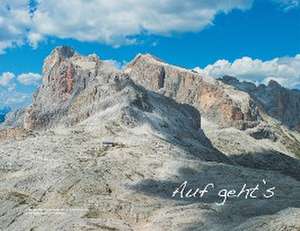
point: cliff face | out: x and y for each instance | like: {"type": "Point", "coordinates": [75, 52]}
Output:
{"type": "Point", "coordinates": [65, 76]}
{"type": "Point", "coordinates": [227, 103]}
{"type": "Point", "coordinates": [278, 102]}
{"type": "Point", "coordinates": [216, 101]}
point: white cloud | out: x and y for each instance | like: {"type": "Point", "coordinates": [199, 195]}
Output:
{"type": "Point", "coordinates": [112, 22]}
{"type": "Point", "coordinates": [9, 85]}
{"type": "Point", "coordinates": [116, 64]}
{"type": "Point", "coordinates": [29, 79]}
{"type": "Point", "coordinates": [14, 22]}
{"type": "Point", "coordinates": [115, 22]}
{"type": "Point", "coordinates": [14, 99]}
{"type": "Point", "coordinates": [6, 78]}
{"type": "Point", "coordinates": [284, 70]}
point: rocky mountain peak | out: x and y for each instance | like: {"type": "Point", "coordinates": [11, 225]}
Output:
{"type": "Point", "coordinates": [230, 79]}
{"type": "Point", "coordinates": [275, 100]}
{"type": "Point", "coordinates": [216, 101]}
{"type": "Point", "coordinates": [58, 55]}
{"type": "Point", "coordinates": [65, 75]}
{"type": "Point", "coordinates": [145, 58]}
{"type": "Point", "coordinates": [63, 52]}
{"type": "Point", "coordinates": [274, 84]}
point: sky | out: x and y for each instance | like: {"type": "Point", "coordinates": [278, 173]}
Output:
{"type": "Point", "coordinates": [254, 40]}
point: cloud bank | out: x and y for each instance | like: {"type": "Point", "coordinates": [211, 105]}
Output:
{"type": "Point", "coordinates": [30, 79]}
{"type": "Point", "coordinates": [115, 22]}
{"type": "Point", "coordinates": [14, 99]}
{"type": "Point", "coordinates": [112, 22]}
{"type": "Point", "coordinates": [6, 78]}
{"type": "Point", "coordinates": [284, 70]}
{"type": "Point", "coordinates": [9, 95]}
{"type": "Point", "coordinates": [14, 23]}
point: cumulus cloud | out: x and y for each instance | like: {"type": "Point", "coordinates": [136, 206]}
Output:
{"type": "Point", "coordinates": [6, 78]}
{"type": "Point", "coordinates": [116, 64]}
{"type": "Point", "coordinates": [29, 79]}
{"type": "Point", "coordinates": [14, 23]}
{"type": "Point", "coordinates": [14, 99]}
{"type": "Point", "coordinates": [115, 22]}
{"type": "Point", "coordinates": [9, 85]}
{"type": "Point", "coordinates": [112, 22]}
{"type": "Point", "coordinates": [284, 70]}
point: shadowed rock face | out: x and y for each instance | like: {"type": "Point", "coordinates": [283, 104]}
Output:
{"type": "Point", "coordinates": [216, 101]}
{"type": "Point", "coordinates": [278, 102]}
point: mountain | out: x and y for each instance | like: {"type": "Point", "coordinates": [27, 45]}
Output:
{"type": "Point", "coordinates": [105, 149]}
{"type": "Point", "coordinates": [3, 112]}
{"type": "Point", "coordinates": [278, 102]}
{"type": "Point", "coordinates": [215, 100]}
{"type": "Point", "coordinates": [223, 105]}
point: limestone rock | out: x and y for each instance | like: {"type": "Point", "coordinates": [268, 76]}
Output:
{"type": "Point", "coordinates": [215, 100]}
{"type": "Point", "coordinates": [278, 102]}
{"type": "Point", "coordinates": [65, 75]}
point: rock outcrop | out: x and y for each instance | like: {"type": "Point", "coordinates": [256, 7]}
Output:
{"type": "Point", "coordinates": [14, 134]}
{"type": "Point", "coordinates": [278, 102]}
{"type": "Point", "coordinates": [216, 101]}
{"type": "Point", "coordinates": [66, 75]}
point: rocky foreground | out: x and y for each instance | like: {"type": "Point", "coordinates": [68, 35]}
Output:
{"type": "Point", "coordinates": [106, 149]}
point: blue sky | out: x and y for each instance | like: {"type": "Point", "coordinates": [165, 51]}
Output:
{"type": "Point", "coordinates": [253, 40]}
